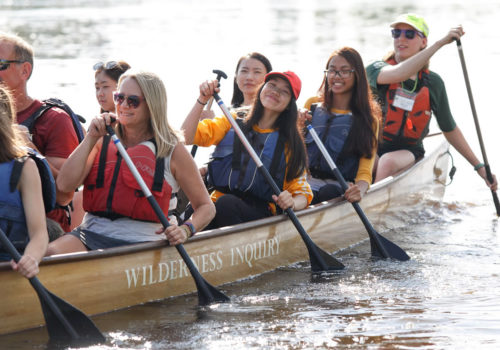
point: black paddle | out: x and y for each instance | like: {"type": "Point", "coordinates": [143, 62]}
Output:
{"type": "Point", "coordinates": [209, 106]}
{"type": "Point", "coordinates": [320, 260]}
{"type": "Point", "coordinates": [207, 294]}
{"type": "Point", "coordinates": [476, 122]}
{"type": "Point", "coordinates": [380, 246]}
{"type": "Point", "coordinates": [65, 323]}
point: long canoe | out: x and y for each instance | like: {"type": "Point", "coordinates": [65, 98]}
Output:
{"type": "Point", "coordinates": [101, 281]}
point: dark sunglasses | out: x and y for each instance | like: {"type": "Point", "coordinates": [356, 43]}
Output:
{"type": "Point", "coordinates": [132, 101]}
{"type": "Point", "coordinates": [4, 64]}
{"type": "Point", "coordinates": [409, 33]}
{"type": "Point", "coordinates": [107, 65]}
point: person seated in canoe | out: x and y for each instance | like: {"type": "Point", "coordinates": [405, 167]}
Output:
{"type": "Point", "coordinates": [346, 119]}
{"type": "Point", "coordinates": [409, 94]}
{"type": "Point", "coordinates": [118, 213]}
{"type": "Point", "coordinates": [242, 194]}
{"type": "Point", "coordinates": [249, 76]}
{"type": "Point", "coordinates": [22, 214]}
{"type": "Point", "coordinates": [51, 131]}
{"type": "Point", "coordinates": [106, 81]}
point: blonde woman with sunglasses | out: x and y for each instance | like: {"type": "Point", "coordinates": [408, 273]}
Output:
{"type": "Point", "coordinates": [117, 211]}
{"type": "Point", "coordinates": [409, 94]}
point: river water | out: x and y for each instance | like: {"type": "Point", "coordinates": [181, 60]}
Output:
{"type": "Point", "coordinates": [446, 297]}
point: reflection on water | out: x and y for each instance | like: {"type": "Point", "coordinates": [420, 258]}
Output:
{"type": "Point", "coordinates": [445, 297]}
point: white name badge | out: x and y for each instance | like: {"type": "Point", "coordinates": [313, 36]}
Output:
{"type": "Point", "coordinates": [404, 99]}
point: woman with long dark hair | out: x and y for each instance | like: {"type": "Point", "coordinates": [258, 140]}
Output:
{"type": "Point", "coordinates": [242, 193]}
{"type": "Point", "coordinates": [249, 76]}
{"type": "Point", "coordinates": [346, 118]}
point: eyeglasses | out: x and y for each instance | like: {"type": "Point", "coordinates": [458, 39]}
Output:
{"type": "Point", "coordinates": [275, 88]}
{"type": "Point", "coordinates": [409, 33]}
{"type": "Point", "coordinates": [107, 65]}
{"type": "Point", "coordinates": [4, 64]}
{"type": "Point", "coordinates": [132, 101]}
{"type": "Point", "coordinates": [344, 73]}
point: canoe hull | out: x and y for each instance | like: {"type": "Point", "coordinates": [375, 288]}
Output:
{"type": "Point", "coordinates": [102, 281]}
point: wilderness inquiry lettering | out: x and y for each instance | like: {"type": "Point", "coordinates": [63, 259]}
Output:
{"type": "Point", "coordinates": [174, 269]}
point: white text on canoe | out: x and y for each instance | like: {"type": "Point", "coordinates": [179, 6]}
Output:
{"type": "Point", "coordinates": [174, 269]}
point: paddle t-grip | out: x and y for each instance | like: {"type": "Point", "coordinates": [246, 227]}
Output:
{"type": "Point", "coordinates": [220, 74]}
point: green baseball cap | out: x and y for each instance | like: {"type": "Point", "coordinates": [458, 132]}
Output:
{"type": "Point", "coordinates": [416, 21]}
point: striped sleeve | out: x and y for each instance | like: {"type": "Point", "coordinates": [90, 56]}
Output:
{"type": "Point", "coordinates": [299, 186]}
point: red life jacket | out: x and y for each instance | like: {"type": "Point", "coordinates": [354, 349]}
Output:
{"type": "Point", "coordinates": [110, 189]}
{"type": "Point", "coordinates": [403, 126]}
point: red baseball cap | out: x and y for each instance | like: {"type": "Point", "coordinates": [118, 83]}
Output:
{"type": "Point", "coordinates": [292, 79]}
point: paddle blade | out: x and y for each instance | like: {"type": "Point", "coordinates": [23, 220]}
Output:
{"type": "Point", "coordinates": [393, 250]}
{"type": "Point", "coordinates": [87, 332]}
{"type": "Point", "coordinates": [211, 295]}
{"type": "Point", "coordinates": [321, 261]}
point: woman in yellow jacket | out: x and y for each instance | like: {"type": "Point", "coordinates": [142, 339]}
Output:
{"type": "Point", "coordinates": [242, 194]}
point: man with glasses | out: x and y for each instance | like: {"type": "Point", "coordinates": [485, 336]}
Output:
{"type": "Point", "coordinates": [53, 133]}
{"type": "Point", "coordinates": [409, 94]}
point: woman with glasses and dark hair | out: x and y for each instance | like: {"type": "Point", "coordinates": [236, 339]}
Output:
{"type": "Point", "coordinates": [346, 119]}
{"type": "Point", "coordinates": [409, 94]}
{"type": "Point", "coordinates": [117, 211]}
{"type": "Point", "coordinates": [106, 81]}
{"type": "Point", "coordinates": [22, 214]}
{"type": "Point", "coordinates": [242, 194]}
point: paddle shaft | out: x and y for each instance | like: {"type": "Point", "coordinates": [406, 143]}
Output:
{"type": "Point", "coordinates": [39, 288]}
{"type": "Point", "coordinates": [194, 148]}
{"type": "Point", "coordinates": [316, 257]}
{"type": "Point", "coordinates": [345, 186]}
{"type": "Point", "coordinates": [476, 122]}
{"type": "Point", "coordinates": [201, 283]}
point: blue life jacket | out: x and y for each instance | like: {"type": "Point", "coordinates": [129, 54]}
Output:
{"type": "Point", "coordinates": [232, 170]}
{"type": "Point", "coordinates": [333, 130]}
{"type": "Point", "coordinates": [12, 219]}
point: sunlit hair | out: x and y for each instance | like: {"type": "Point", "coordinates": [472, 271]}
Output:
{"type": "Point", "coordinates": [155, 96]}
{"type": "Point", "coordinates": [11, 144]}
{"type": "Point", "coordinates": [238, 97]}
{"type": "Point", "coordinates": [287, 124]}
{"type": "Point", "coordinates": [362, 138]}
{"type": "Point", "coordinates": [115, 72]}
{"type": "Point", "coordinates": [22, 50]}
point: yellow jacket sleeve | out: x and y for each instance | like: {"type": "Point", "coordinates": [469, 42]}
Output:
{"type": "Point", "coordinates": [211, 131]}
{"type": "Point", "coordinates": [310, 101]}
